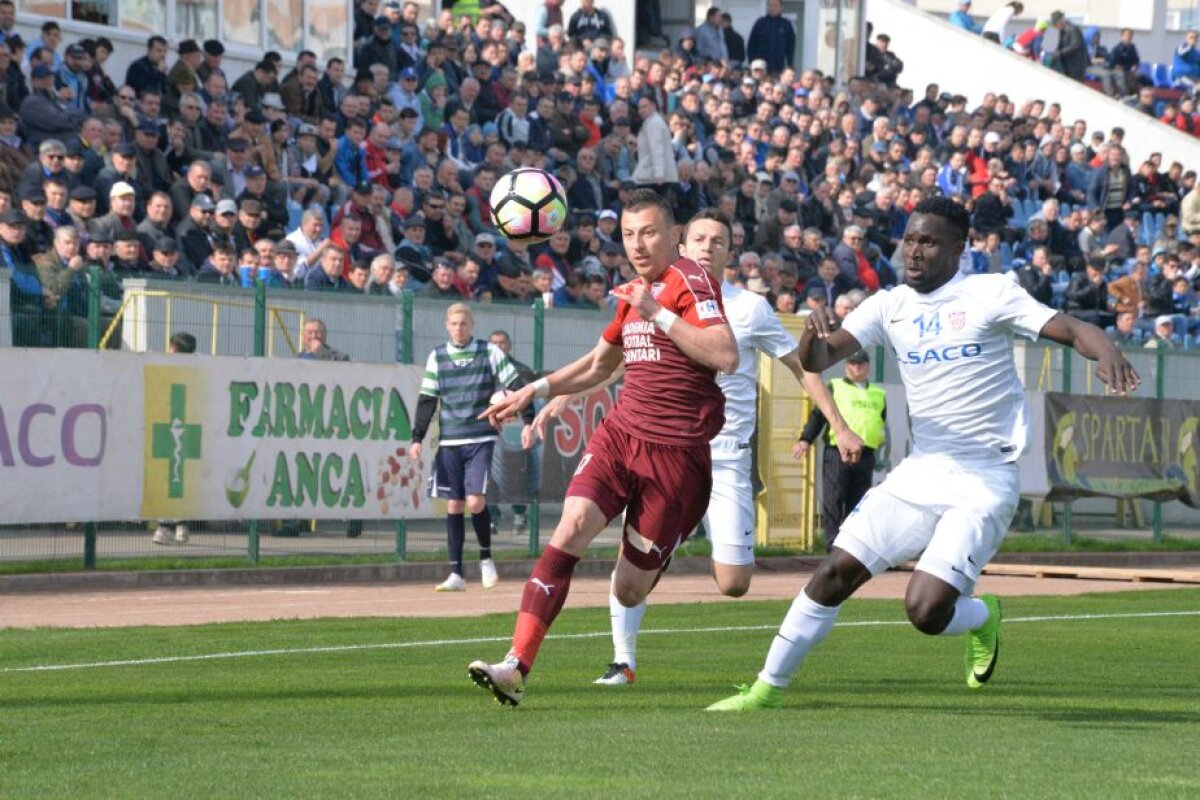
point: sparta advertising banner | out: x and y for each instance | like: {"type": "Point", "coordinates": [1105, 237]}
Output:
{"type": "Point", "coordinates": [1122, 447]}
{"type": "Point", "coordinates": [120, 436]}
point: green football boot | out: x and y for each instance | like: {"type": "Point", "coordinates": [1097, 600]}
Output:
{"type": "Point", "coordinates": [751, 698]}
{"type": "Point", "coordinates": [983, 645]}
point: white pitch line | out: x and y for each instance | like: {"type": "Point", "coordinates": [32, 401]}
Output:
{"type": "Point", "coordinates": [348, 648]}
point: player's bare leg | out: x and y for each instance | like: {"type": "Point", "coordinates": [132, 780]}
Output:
{"type": "Point", "coordinates": [808, 622]}
{"type": "Point", "coordinates": [544, 596]}
{"type": "Point", "coordinates": [733, 580]}
{"type": "Point", "coordinates": [938, 608]}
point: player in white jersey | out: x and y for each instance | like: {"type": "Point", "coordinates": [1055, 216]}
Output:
{"type": "Point", "coordinates": [731, 518]}
{"type": "Point", "coordinates": [951, 501]}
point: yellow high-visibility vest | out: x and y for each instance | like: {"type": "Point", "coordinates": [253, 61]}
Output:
{"type": "Point", "coordinates": [862, 408]}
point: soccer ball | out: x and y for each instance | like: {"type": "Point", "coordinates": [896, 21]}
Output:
{"type": "Point", "coordinates": [528, 205]}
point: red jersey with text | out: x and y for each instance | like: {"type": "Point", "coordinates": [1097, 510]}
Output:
{"type": "Point", "coordinates": [667, 397]}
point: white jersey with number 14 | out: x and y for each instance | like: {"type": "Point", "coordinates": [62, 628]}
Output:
{"type": "Point", "coordinates": [954, 347]}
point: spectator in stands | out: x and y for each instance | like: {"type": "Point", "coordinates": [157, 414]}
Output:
{"type": "Point", "coordinates": [44, 115]}
{"type": "Point", "coordinates": [1164, 333]}
{"type": "Point", "coordinates": [220, 266]}
{"type": "Point", "coordinates": [329, 276]}
{"type": "Point", "coordinates": [1087, 295]}
{"type": "Point", "coordinates": [1124, 237]}
{"type": "Point", "coordinates": [1129, 292]}
{"type": "Point", "coordinates": [961, 18]}
{"type": "Point", "coordinates": [656, 166]}
{"type": "Point", "coordinates": [993, 29]}
{"type": "Point", "coordinates": [710, 37]}
{"type": "Point", "coordinates": [149, 73]}
{"type": "Point", "coordinates": [441, 285]}
{"type": "Point", "coordinates": [1071, 56]}
{"type": "Point", "coordinates": [772, 39]}
{"type": "Point", "coordinates": [1124, 60]}
{"type": "Point", "coordinates": [1185, 64]}
{"type": "Point", "coordinates": [1111, 188]}
{"type": "Point", "coordinates": [1122, 332]}
{"type": "Point", "coordinates": [590, 23]}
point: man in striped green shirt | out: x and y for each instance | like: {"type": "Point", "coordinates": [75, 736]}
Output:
{"type": "Point", "coordinates": [461, 376]}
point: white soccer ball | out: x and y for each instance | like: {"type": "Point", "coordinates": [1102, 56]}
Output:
{"type": "Point", "coordinates": [528, 205]}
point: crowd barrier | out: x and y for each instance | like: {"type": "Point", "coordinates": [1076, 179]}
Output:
{"type": "Point", "coordinates": [377, 333]}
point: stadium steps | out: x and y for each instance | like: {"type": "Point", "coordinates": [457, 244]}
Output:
{"type": "Point", "coordinates": [963, 63]}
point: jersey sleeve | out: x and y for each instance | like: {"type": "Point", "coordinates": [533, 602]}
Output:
{"type": "Point", "coordinates": [612, 332]}
{"type": "Point", "coordinates": [769, 334]}
{"type": "Point", "coordinates": [697, 298]}
{"type": "Point", "coordinates": [429, 382]}
{"type": "Point", "coordinates": [502, 367]}
{"type": "Point", "coordinates": [1015, 308]}
{"type": "Point", "coordinates": [868, 322]}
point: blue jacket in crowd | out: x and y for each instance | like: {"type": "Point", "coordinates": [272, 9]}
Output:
{"type": "Point", "coordinates": [772, 39]}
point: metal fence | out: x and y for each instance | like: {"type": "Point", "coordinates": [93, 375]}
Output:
{"type": "Point", "coordinates": [267, 323]}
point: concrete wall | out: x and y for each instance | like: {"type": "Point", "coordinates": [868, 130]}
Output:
{"type": "Point", "coordinates": [934, 51]}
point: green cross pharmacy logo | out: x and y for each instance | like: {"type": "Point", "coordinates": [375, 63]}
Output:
{"type": "Point", "coordinates": [177, 441]}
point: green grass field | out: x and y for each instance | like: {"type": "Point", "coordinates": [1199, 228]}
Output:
{"type": "Point", "coordinates": [1084, 707]}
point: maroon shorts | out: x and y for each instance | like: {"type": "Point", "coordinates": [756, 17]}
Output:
{"type": "Point", "coordinates": [664, 490]}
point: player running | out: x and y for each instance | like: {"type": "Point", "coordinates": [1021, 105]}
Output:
{"type": "Point", "coordinates": [951, 501]}
{"type": "Point", "coordinates": [731, 518]}
{"type": "Point", "coordinates": [650, 456]}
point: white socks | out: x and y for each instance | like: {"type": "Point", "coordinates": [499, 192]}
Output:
{"type": "Point", "coordinates": [626, 622]}
{"type": "Point", "coordinates": [969, 614]}
{"type": "Point", "coordinates": [807, 623]}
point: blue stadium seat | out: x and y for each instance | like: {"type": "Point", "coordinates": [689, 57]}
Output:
{"type": "Point", "coordinates": [1162, 76]}
{"type": "Point", "coordinates": [1006, 256]}
{"type": "Point", "coordinates": [1146, 70]}
{"type": "Point", "coordinates": [1032, 206]}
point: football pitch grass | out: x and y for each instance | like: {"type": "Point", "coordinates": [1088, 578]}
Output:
{"type": "Point", "coordinates": [1094, 696]}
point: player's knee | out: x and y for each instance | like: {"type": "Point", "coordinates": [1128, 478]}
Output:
{"type": "Point", "coordinates": [733, 587]}
{"type": "Point", "coordinates": [628, 596]}
{"type": "Point", "coordinates": [455, 506]}
{"type": "Point", "coordinates": [476, 503]}
{"type": "Point", "coordinates": [926, 615]}
{"type": "Point", "coordinates": [832, 580]}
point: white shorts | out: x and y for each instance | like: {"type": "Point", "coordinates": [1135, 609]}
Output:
{"type": "Point", "coordinates": [731, 517]}
{"type": "Point", "coordinates": [953, 515]}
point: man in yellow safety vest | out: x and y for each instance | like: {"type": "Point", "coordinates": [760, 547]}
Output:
{"type": "Point", "coordinates": [864, 408]}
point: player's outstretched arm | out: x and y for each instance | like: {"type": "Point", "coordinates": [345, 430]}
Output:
{"type": "Point", "coordinates": [714, 346]}
{"type": "Point", "coordinates": [849, 443]}
{"type": "Point", "coordinates": [553, 409]}
{"type": "Point", "coordinates": [1090, 342]}
{"type": "Point", "coordinates": [820, 345]}
{"type": "Point", "coordinates": [592, 369]}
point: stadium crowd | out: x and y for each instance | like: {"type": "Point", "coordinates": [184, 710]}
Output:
{"type": "Point", "coordinates": [1164, 91]}
{"type": "Point", "coordinates": [374, 177]}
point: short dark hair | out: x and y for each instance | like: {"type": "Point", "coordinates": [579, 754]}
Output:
{"type": "Point", "coordinates": [356, 122]}
{"type": "Point", "coordinates": [153, 40]}
{"type": "Point", "coordinates": [183, 342]}
{"type": "Point", "coordinates": [714, 214]}
{"type": "Point", "coordinates": [640, 198]}
{"type": "Point", "coordinates": [955, 214]}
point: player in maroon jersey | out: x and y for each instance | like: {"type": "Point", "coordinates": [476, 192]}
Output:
{"type": "Point", "coordinates": [650, 456]}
